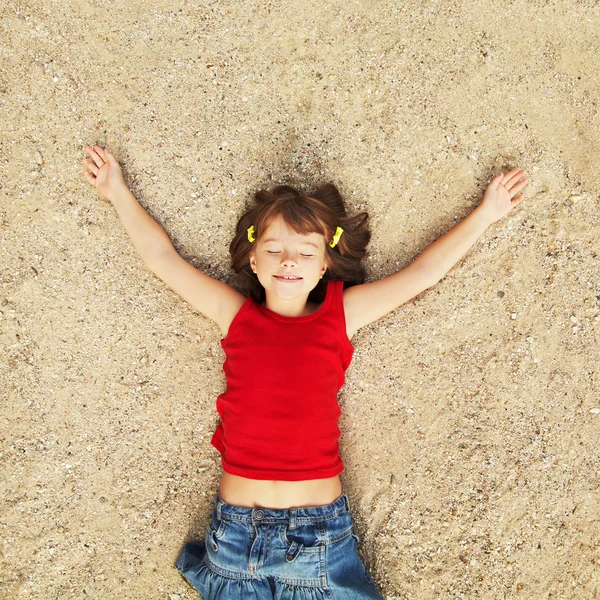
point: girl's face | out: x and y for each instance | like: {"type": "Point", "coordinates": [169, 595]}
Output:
{"type": "Point", "coordinates": [281, 252]}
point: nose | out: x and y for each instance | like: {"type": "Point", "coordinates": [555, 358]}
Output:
{"type": "Point", "coordinates": [288, 260]}
{"type": "Point", "coordinates": [289, 263]}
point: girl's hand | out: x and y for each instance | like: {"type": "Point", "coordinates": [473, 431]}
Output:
{"type": "Point", "coordinates": [501, 194]}
{"type": "Point", "coordinates": [106, 175]}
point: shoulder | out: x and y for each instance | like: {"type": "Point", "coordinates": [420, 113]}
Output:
{"type": "Point", "coordinates": [338, 295]}
{"type": "Point", "coordinates": [350, 309]}
{"type": "Point", "coordinates": [229, 309]}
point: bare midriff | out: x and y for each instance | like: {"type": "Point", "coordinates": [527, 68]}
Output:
{"type": "Point", "coordinates": [253, 493]}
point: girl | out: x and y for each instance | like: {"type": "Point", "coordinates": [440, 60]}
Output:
{"type": "Point", "coordinates": [281, 526]}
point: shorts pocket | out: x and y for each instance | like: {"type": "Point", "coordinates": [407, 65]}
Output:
{"type": "Point", "coordinates": [217, 526]}
{"type": "Point", "coordinates": [215, 532]}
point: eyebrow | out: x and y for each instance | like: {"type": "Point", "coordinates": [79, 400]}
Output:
{"type": "Point", "coordinates": [303, 243]}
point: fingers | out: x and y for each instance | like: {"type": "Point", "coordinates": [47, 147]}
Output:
{"type": "Point", "coordinates": [90, 165]}
{"type": "Point", "coordinates": [513, 181]}
{"type": "Point", "coordinates": [104, 153]}
{"type": "Point", "coordinates": [94, 154]}
{"type": "Point", "coordinates": [511, 178]}
{"type": "Point", "coordinates": [513, 172]}
{"type": "Point", "coordinates": [517, 187]}
{"type": "Point", "coordinates": [516, 182]}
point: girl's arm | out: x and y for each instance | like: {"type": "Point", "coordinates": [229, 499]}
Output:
{"type": "Point", "coordinates": [148, 237]}
{"type": "Point", "coordinates": [368, 302]}
{"type": "Point", "coordinates": [499, 198]}
{"type": "Point", "coordinates": [213, 298]}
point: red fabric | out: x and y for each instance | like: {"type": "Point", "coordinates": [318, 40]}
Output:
{"type": "Point", "coordinates": [279, 412]}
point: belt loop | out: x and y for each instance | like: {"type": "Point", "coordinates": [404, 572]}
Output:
{"type": "Point", "coordinates": [292, 524]}
{"type": "Point", "coordinates": [219, 504]}
{"type": "Point", "coordinates": [347, 502]}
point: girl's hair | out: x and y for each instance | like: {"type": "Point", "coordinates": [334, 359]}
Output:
{"type": "Point", "coordinates": [320, 212]}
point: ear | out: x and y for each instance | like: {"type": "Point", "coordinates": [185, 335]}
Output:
{"type": "Point", "coordinates": [252, 261]}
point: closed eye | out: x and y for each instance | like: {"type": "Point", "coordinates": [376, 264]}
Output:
{"type": "Point", "coordinates": [304, 255]}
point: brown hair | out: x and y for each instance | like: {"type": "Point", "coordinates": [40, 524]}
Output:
{"type": "Point", "coordinates": [320, 212]}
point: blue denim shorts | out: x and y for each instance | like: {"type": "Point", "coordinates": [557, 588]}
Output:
{"type": "Point", "coordinates": [297, 553]}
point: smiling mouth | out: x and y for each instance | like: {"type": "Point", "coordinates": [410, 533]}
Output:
{"type": "Point", "coordinates": [289, 278]}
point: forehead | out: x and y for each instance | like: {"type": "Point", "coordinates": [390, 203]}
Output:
{"type": "Point", "coordinates": [278, 230]}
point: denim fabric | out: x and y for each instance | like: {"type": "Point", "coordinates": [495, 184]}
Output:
{"type": "Point", "coordinates": [284, 554]}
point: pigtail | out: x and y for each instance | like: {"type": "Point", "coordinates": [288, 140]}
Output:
{"type": "Point", "coordinates": [346, 258]}
{"type": "Point", "coordinates": [352, 245]}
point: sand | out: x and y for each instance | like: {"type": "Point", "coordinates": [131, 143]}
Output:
{"type": "Point", "coordinates": [470, 414]}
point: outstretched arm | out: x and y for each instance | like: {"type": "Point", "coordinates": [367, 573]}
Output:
{"type": "Point", "coordinates": [499, 198]}
{"type": "Point", "coordinates": [213, 298]}
{"type": "Point", "coordinates": [368, 302]}
{"type": "Point", "coordinates": [148, 237]}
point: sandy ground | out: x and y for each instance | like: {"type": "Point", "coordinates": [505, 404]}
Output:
{"type": "Point", "coordinates": [470, 414]}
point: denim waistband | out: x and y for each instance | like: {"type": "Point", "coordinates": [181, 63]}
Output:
{"type": "Point", "coordinates": [302, 515]}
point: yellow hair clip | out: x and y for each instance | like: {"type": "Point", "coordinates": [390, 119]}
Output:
{"type": "Point", "coordinates": [251, 237]}
{"type": "Point", "coordinates": [336, 237]}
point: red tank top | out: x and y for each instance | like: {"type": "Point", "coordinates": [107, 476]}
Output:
{"type": "Point", "coordinates": [279, 412]}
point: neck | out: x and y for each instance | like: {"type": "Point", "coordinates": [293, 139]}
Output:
{"type": "Point", "coordinates": [293, 307]}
